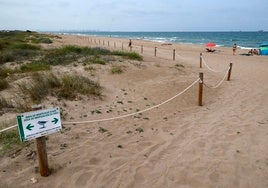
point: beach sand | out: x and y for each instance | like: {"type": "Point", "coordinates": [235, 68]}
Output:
{"type": "Point", "coordinates": [223, 143]}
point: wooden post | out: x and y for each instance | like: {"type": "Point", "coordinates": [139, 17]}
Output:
{"type": "Point", "coordinates": [142, 49]}
{"type": "Point", "coordinates": [155, 51]}
{"type": "Point", "coordinates": [41, 151]}
{"type": "Point", "coordinates": [200, 60]}
{"type": "Point", "coordinates": [174, 51]}
{"type": "Point", "coordinates": [230, 72]}
{"type": "Point", "coordinates": [122, 46]}
{"type": "Point", "coordinates": [42, 156]}
{"type": "Point", "coordinates": [200, 95]}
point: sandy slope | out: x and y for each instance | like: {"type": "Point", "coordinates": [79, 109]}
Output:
{"type": "Point", "coordinates": [180, 144]}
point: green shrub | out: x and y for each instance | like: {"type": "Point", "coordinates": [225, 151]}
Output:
{"type": "Point", "coordinates": [116, 70]}
{"type": "Point", "coordinates": [10, 141]}
{"type": "Point", "coordinates": [6, 57]}
{"type": "Point", "coordinates": [24, 46]}
{"type": "Point", "coordinates": [71, 49]}
{"type": "Point", "coordinates": [44, 40]}
{"type": "Point", "coordinates": [71, 85]}
{"type": "Point", "coordinates": [129, 55]}
{"type": "Point", "coordinates": [58, 57]}
{"type": "Point", "coordinates": [17, 55]}
{"type": "Point", "coordinates": [97, 60]}
{"type": "Point", "coordinates": [4, 72]}
{"type": "Point", "coordinates": [67, 86]}
{"type": "Point", "coordinates": [35, 66]}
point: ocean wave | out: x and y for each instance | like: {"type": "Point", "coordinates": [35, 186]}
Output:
{"type": "Point", "coordinates": [246, 48]}
{"type": "Point", "coordinates": [244, 40]}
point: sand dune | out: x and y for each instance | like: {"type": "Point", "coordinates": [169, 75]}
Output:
{"type": "Point", "coordinates": [224, 143]}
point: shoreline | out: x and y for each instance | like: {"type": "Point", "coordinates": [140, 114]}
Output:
{"type": "Point", "coordinates": [137, 43]}
{"type": "Point", "coordinates": [181, 37]}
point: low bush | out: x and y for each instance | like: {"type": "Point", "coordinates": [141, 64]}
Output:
{"type": "Point", "coordinates": [24, 46]}
{"type": "Point", "coordinates": [35, 66]}
{"type": "Point", "coordinates": [10, 142]}
{"type": "Point", "coordinates": [67, 86]}
{"type": "Point", "coordinates": [5, 72]}
{"type": "Point", "coordinates": [129, 55]}
{"type": "Point", "coordinates": [44, 40]}
{"type": "Point", "coordinates": [116, 70]}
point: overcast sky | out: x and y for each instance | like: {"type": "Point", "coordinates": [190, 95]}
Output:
{"type": "Point", "coordinates": [134, 15]}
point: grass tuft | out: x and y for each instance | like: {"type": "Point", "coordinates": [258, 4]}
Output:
{"type": "Point", "coordinates": [116, 70]}
{"type": "Point", "coordinates": [67, 86]}
{"type": "Point", "coordinates": [35, 66]}
{"type": "Point", "coordinates": [129, 55]}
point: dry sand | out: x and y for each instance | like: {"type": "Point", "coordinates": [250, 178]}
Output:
{"type": "Point", "coordinates": [224, 143]}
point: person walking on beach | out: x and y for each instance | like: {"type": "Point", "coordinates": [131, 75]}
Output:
{"type": "Point", "coordinates": [130, 44]}
{"type": "Point", "coordinates": [234, 49]}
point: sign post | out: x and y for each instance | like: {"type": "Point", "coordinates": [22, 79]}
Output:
{"type": "Point", "coordinates": [42, 156]}
{"type": "Point", "coordinates": [37, 124]}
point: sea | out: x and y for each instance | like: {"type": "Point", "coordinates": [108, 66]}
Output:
{"type": "Point", "coordinates": [244, 40]}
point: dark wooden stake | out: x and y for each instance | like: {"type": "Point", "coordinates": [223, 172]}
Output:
{"type": "Point", "coordinates": [141, 48]}
{"type": "Point", "coordinates": [42, 156]}
{"type": "Point", "coordinates": [200, 95]}
{"type": "Point", "coordinates": [200, 60]}
{"type": "Point", "coordinates": [174, 52]}
{"type": "Point", "coordinates": [41, 151]}
{"type": "Point", "coordinates": [155, 51]}
{"type": "Point", "coordinates": [230, 72]}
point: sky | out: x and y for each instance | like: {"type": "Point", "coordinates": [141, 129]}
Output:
{"type": "Point", "coordinates": [134, 15]}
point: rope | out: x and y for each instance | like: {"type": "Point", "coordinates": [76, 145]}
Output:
{"type": "Point", "coordinates": [218, 85]}
{"type": "Point", "coordinates": [6, 129]}
{"type": "Point", "coordinates": [135, 113]}
{"type": "Point", "coordinates": [209, 67]}
{"type": "Point", "coordinates": [123, 116]}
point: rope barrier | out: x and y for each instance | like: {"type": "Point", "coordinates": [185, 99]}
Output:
{"type": "Point", "coordinates": [218, 85]}
{"type": "Point", "coordinates": [123, 116]}
{"type": "Point", "coordinates": [135, 113]}
{"type": "Point", "coordinates": [6, 129]}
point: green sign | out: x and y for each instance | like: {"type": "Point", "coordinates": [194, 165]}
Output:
{"type": "Point", "coordinates": [39, 123]}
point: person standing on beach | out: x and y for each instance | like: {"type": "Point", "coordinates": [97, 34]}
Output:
{"type": "Point", "coordinates": [234, 49]}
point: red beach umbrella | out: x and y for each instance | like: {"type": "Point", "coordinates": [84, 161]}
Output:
{"type": "Point", "coordinates": [210, 44]}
